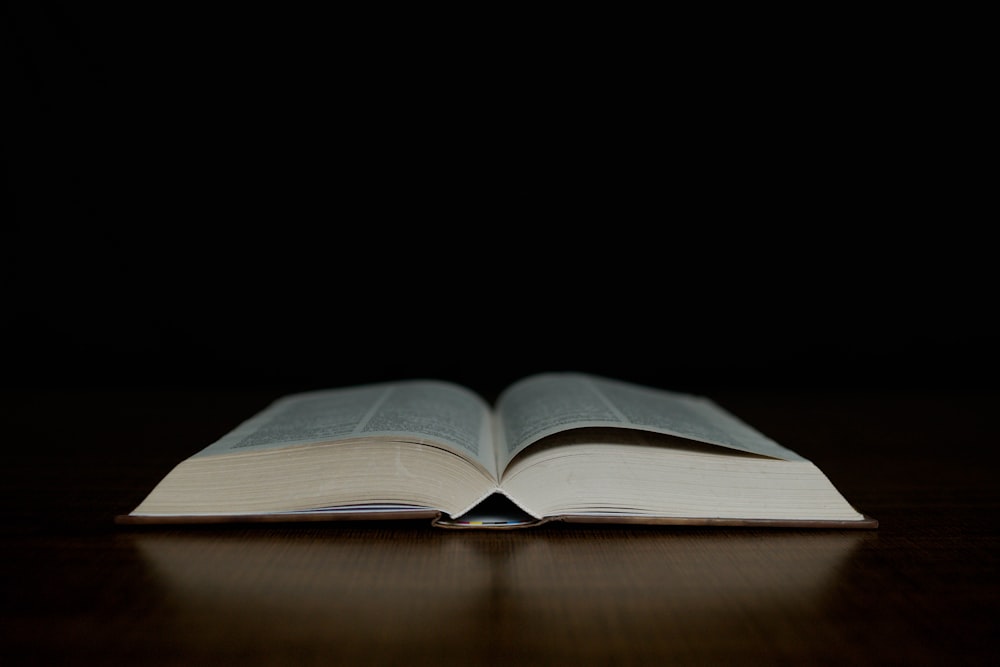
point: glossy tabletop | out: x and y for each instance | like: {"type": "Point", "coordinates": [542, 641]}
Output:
{"type": "Point", "coordinates": [920, 590]}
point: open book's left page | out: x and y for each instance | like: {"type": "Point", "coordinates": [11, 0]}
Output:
{"type": "Point", "coordinates": [427, 411]}
{"type": "Point", "coordinates": [413, 445]}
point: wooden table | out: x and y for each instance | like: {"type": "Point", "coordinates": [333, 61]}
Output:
{"type": "Point", "coordinates": [920, 590]}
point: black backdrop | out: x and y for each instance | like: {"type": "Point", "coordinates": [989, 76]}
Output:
{"type": "Point", "coordinates": [213, 199]}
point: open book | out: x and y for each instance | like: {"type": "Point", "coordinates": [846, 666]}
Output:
{"type": "Point", "coordinates": [555, 446]}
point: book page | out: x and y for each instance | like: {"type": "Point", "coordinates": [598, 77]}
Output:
{"type": "Point", "coordinates": [548, 403]}
{"type": "Point", "coordinates": [427, 411]}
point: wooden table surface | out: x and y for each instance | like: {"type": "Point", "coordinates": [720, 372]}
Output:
{"type": "Point", "coordinates": [920, 590]}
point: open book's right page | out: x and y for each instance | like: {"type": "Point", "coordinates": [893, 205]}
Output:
{"type": "Point", "coordinates": [544, 404]}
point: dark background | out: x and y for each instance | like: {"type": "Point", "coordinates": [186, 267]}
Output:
{"type": "Point", "coordinates": [291, 200]}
